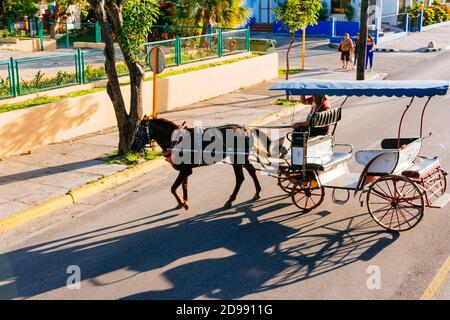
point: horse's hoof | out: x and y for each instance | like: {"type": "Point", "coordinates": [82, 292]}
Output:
{"type": "Point", "coordinates": [179, 206]}
{"type": "Point", "coordinates": [227, 205]}
{"type": "Point", "coordinates": [186, 206]}
{"type": "Point", "coordinates": [256, 197]}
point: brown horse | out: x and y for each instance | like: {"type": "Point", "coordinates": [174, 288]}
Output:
{"type": "Point", "coordinates": [162, 131]}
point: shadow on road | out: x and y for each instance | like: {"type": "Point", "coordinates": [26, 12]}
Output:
{"type": "Point", "coordinates": [265, 252]}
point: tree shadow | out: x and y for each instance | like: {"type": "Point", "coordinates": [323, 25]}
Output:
{"type": "Point", "coordinates": [52, 170]}
{"type": "Point", "coordinates": [266, 252]}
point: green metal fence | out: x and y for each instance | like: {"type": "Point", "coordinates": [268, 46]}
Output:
{"type": "Point", "coordinates": [29, 81]}
{"type": "Point", "coordinates": [95, 68]}
{"type": "Point", "coordinates": [235, 41]}
{"type": "Point", "coordinates": [170, 49]}
{"type": "Point", "coordinates": [5, 80]}
{"type": "Point", "coordinates": [28, 75]}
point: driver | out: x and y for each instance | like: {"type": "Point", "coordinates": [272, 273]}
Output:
{"type": "Point", "coordinates": [318, 104]}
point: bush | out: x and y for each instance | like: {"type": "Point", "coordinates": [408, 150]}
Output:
{"type": "Point", "coordinates": [324, 13]}
{"type": "Point", "coordinates": [40, 81]}
{"type": "Point", "coordinates": [96, 73]}
{"type": "Point", "coordinates": [4, 87]}
{"type": "Point", "coordinates": [414, 9]}
{"type": "Point", "coordinates": [428, 16]}
{"type": "Point", "coordinates": [349, 12]}
{"type": "Point", "coordinates": [15, 34]}
{"type": "Point", "coordinates": [434, 13]}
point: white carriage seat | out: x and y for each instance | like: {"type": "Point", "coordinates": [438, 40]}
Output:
{"type": "Point", "coordinates": [420, 166]}
{"type": "Point", "coordinates": [363, 157]}
{"type": "Point", "coordinates": [390, 160]}
{"type": "Point", "coordinates": [320, 154]}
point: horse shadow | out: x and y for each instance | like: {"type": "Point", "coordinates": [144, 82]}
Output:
{"type": "Point", "coordinates": [263, 252]}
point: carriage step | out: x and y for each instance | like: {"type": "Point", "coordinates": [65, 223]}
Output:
{"type": "Point", "coordinates": [441, 201]}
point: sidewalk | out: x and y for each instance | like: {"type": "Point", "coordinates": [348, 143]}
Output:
{"type": "Point", "coordinates": [418, 41]}
{"type": "Point", "coordinates": [53, 170]}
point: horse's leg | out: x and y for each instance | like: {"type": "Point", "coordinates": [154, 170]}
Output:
{"type": "Point", "coordinates": [185, 193]}
{"type": "Point", "coordinates": [239, 179]}
{"type": "Point", "coordinates": [180, 179]}
{"type": "Point", "coordinates": [252, 171]}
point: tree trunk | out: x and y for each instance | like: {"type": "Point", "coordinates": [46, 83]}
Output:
{"type": "Point", "coordinates": [287, 54]}
{"type": "Point", "coordinates": [126, 122]}
{"type": "Point", "coordinates": [206, 21]}
{"type": "Point", "coordinates": [53, 26]}
{"type": "Point", "coordinates": [291, 42]}
{"type": "Point", "coordinates": [361, 63]}
{"type": "Point", "coordinates": [303, 47]}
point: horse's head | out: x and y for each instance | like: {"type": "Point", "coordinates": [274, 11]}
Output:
{"type": "Point", "coordinates": [158, 129]}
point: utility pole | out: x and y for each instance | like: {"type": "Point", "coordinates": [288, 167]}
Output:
{"type": "Point", "coordinates": [363, 32]}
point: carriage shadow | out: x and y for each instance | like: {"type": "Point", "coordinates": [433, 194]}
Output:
{"type": "Point", "coordinates": [262, 253]}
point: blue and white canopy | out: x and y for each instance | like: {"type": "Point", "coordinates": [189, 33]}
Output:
{"type": "Point", "coordinates": [389, 88]}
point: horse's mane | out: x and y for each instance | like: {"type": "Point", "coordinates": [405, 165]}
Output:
{"type": "Point", "coordinates": [163, 121]}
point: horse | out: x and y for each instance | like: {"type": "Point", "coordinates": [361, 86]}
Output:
{"type": "Point", "coordinates": [163, 130]}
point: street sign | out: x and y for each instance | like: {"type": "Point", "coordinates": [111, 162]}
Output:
{"type": "Point", "coordinates": [158, 63]}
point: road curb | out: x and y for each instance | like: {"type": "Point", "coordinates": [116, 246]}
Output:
{"type": "Point", "coordinates": [386, 50]}
{"type": "Point", "coordinates": [87, 190]}
{"type": "Point", "coordinates": [114, 180]}
{"type": "Point", "coordinates": [35, 212]}
{"type": "Point", "coordinates": [432, 49]}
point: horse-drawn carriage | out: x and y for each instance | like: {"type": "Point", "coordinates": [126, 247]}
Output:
{"type": "Point", "coordinates": [397, 181]}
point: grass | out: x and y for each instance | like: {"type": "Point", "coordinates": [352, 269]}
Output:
{"type": "Point", "coordinates": [286, 103]}
{"type": "Point", "coordinates": [132, 158]}
{"type": "Point", "coordinates": [46, 99]}
{"type": "Point", "coordinates": [49, 99]}
{"type": "Point", "coordinates": [282, 71]}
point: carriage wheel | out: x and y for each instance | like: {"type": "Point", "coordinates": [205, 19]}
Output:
{"type": "Point", "coordinates": [286, 179]}
{"type": "Point", "coordinates": [395, 203]}
{"type": "Point", "coordinates": [306, 194]}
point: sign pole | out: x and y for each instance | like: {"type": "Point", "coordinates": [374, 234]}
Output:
{"type": "Point", "coordinates": [155, 80]}
{"type": "Point", "coordinates": [157, 62]}
{"type": "Point", "coordinates": [155, 73]}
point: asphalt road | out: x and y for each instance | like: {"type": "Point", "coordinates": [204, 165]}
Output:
{"type": "Point", "coordinates": [131, 243]}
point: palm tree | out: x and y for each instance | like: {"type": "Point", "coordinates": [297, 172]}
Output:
{"type": "Point", "coordinates": [221, 13]}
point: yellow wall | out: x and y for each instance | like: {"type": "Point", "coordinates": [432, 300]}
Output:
{"type": "Point", "coordinates": [29, 45]}
{"type": "Point", "coordinates": [24, 130]}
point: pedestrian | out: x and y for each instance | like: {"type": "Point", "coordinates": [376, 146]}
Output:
{"type": "Point", "coordinates": [355, 50]}
{"type": "Point", "coordinates": [370, 50]}
{"type": "Point", "coordinates": [346, 48]}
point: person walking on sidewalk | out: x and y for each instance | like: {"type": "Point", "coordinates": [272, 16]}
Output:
{"type": "Point", "coordinates": [346, 48]}
{"type": "Point", "coordinates": [355, 50]}
{"type": "Point", "coordinates": [370, 51]}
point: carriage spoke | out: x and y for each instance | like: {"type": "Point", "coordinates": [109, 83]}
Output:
{"type": "Point", "coordinates": [378, 194]}
{"type": "Point", "coordinates": [382, 208]}
{"type": "Point", "coordinates": [398, 219]}
{"type": "Point", "coordinates": [381, 192]}
{"type": "Point", "coordinates": [385, 214]}
{"type": "Point", "coordinates": [392, 216]}
{"type": "Point", "coordinates": [404, 218]}
{"type": "Point", "coordinates": [412, 215]}
{"type": "Point", "coordinates": [387, 185]}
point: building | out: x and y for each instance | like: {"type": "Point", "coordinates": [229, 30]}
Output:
{"type": "Point", "coordinates": [262, 9]}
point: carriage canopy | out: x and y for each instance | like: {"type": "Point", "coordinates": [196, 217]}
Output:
{"type": "Point", "coordinates": [389, 88]}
